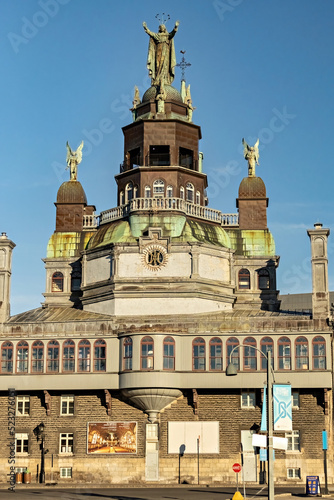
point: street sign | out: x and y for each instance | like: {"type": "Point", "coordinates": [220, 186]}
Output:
{"type": "Point", "coordinates": [236, 468]}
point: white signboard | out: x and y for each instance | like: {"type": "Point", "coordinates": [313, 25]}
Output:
{"type": "Point", "coordinates": [282, 408]}
{"type": "Point", "coordinates": [186, 434]}
{"type": "Point", "coordinates": [260, 440]}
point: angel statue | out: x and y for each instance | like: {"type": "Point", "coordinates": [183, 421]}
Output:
{"type": "Point", "coordinates": [73, 159]}
{"type": "Point", "coordinates": [161, 55]}
{"type": "Point", "coordinates": [251, 153]}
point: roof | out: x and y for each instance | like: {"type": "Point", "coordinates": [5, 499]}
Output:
{"type": "Point", "coordinates": [71, 192]}
{"type": "Point", "coordinates": [57, 314]}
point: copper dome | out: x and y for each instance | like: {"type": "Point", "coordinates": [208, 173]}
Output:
{"type": "Point", "coordinates": [71, 192]}
{"type": "Point", "coordinates": [252, 187]}
{"type": "Point", "coordinates": [172, 94]}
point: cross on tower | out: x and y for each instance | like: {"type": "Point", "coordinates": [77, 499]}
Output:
{"type": "Point", "coordinates": [183, 65]}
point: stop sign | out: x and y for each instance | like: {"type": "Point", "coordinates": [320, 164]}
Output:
{"type": "Point", "coordinates": [236, 467]}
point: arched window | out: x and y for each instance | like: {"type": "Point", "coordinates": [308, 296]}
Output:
{"type": "Point", "coordinates": [284, 353]}
{"type": "Point", "coordinates": [68, 356]}
{"type": "Point", "coordinates": [198, 198]}
{"type": "Point", "coordinates": [99, 356]}
{"type": "Point", "coordinates": [84, 356]}
{"type": "Point", "coordinates": [231, 343]}
{"type": "Point", "coordinates": [264, 279]}
{"type": "Point", "coordinates": [198, 354]}
{"type": "Point", "coordinates": [147, 353]}
{"type": "Point", "coordinates": [190, 192]}
{"type": "Point", "coordinates": [169, 354]}
{"type": "Point", "coordinates": [147, 192]}
{"type": "Point", "coordinates": [22, 350]}
{"type": "Point", "coordinates": [319, 353]}
{"type": "Point", "coordinates": [121, 198]}
{"type": "Point", "coordinates": [169, 191]}
{"type": "Point", "coordinates": [158, 188]}
{"type": "Point", "coordinates": [244, 279]}
{"type": "Point", "coordinates": [135, 192]}
{"type": "Point", "coordinates": [216, 354]}
{"type": "Point", "coordinates": [301, 353]}
{"type": "Point", "coordinates": [53, 356]}
{"type": "Point", "coordinates": [127, 353]}
{"type": "Point", "coordinates": [37, 357]}
{"type": "Point", "coordinates": [250, 354]}
{"type": "Point", "coordinates": [7, 357]}
{"type": "Point", "coordinates": [128, 192]}
{"type": "Point", "coordinates": [182, 193]}
{"type": "Point", "coordinates": [57, 282]}
{"type": "Point", "coordinates": [266, 344]}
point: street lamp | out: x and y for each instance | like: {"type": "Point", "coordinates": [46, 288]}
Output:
{"type": "Point", "coordinates": [41, 435]}
{"type": "Point", "coordinates": [230, 371]}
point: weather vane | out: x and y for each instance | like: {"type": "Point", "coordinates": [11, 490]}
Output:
{"type": "Point", "coordinates": [162, 19]}
{"type": "Point", "coordinates": [183, 65]}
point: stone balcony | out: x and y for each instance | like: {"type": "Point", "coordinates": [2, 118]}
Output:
{"type": "Point", "coordinates": [167, 205]}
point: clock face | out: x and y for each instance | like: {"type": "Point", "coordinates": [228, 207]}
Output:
{"type": "Point", "coordinates": [154, 257]}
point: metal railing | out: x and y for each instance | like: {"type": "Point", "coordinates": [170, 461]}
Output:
{"type": "Point", "coordinates": [168, 204]}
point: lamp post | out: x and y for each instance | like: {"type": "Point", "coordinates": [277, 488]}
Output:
{"type": "Point", "coordinates": [41, 435]}
{"type": "Point", "coordinates": [231, 370]}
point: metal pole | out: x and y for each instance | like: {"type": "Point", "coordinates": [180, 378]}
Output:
{"type": "Point", "coordinates": [270, 449]}
{"type": "Point", "coordinates": [325, 470]}
{"type": "Point", "coordinates": [198, 459]}
{"type": "Point", "coordinates": [42, 480]}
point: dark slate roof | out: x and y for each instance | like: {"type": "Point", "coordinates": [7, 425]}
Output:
{"type": "Point", "coordinates": [57, 314]}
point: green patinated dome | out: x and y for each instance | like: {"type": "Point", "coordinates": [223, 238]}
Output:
{"type": "Point", "coordinates": [172, 94]}
{"type": "Point", "coordinates": [178, 228]}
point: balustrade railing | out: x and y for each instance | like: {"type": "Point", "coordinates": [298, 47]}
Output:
{"type": "Point", "coordinates": [90, 221]}
{"type": "Point", "coordinates": [167, 204]}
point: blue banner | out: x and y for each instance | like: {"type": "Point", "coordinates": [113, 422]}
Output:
{"type": "Point", "coordinates": [324, 440]}
{"type": "Point", "coordinates": [264, 411]}
{"type": "Point", "coordinates": [282, 408]}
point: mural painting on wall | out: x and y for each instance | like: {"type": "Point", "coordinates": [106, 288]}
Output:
{"type": "Point", "coordinates": [112, 437]}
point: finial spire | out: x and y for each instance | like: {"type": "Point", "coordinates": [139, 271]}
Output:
{"type": "Point", "coordinates": [162, 19]}
{"type": "Point", "coordinates": [183, 65]}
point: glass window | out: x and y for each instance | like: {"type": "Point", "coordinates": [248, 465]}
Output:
{"type": "Point", "coordinates": [84, 356]}
{"type": "Point", "coordinates": [67, 404]}
{"type": "Point", "coordinates": [147, 192]}
{"type": "Point", "coordinates": [127, 353]}
{"type": "Point", "coordinates": [128, 192]}
{"type": "Point", "coordinates": [319, 353]}
{"type": "Point", "coordinates": [37, 357]}
{"type": "Point", "coordinates": [169, 354]}
{"type": "Point", "coordinates": [264, 279]}
{"type": "Point", "coordinates": [231, 343]}
{"type": "Point", "coordinates": [57, 282]}
{"type": "Point", "coordinates": [248, 399]}
{"type": "Point", "coordinates": [186, 158]}
{"type": "Point", "coordinates": [190, 192]}
{"type": "Point", "coordinates": [75, 281]}
{"type": "Point", "coordinates": [284, 353]}
{"type": "Point", "coordinates": [22, 350]}
{"type": "Point", "coordinates": [147, 353]}
{"type": "Point", "coordinates": [22, 406]}
{"type": "Point", "coordinates": [169, 191]}
{"type": "Point", "coordinates": [159, 156]}
{"type": "Point", "coordinates": [68, 356]}
{"type": "Point", "coordinates": [182, 193]}
{"type": "Point", "coordinates": [198, 354]}
{"type": "Point", "coordinates": [66, 442]}
{"type": "Point", "coordinates": [198, 198]}
{"type": "Point", "coordinates": [244, 279]}
{"type": "Point", "coordinates": [99, 356]}
{"type": "Point", "coordinates": [266, 345]}
{"type": "Point", "coordinates": [293, 438]}
{"type": "Point", "coordinates": [293, 473]}
{"type": "Point", "coordinates": [66, 472]}
{"type": "Point", "coordinates": [53, 356]}
{"type": "Point", "coordinates": [216, 354]}
{"type": "Point", "coordinates": [158, 188]}
{"type": "Point", "coordinates": [7, 357]}
{"type": "Point", "coordinates": [295, 399]}
{"type": "Point", "coordinates": [250, 354]}
{"type": "Point", "coordinates": [301, 353]}
{"type": "Point", "coordinates": [22, 443]}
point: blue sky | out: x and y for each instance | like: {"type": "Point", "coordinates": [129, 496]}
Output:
{"type": "Point", "coordinates": [258, 69]}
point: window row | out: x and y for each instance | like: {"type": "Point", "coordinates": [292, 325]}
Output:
{"type": "Point", "coordinates": [66, 440]}
{"type": "Point", "coordinates": [263, 279]}
{"type": "Point", "coordinates": [248, 399]}
{"type": "Point", "coordinates": [57, 281]}
{"type": "Point", "coordinates": [51, 357]}
{"type": "Point", "coordinates": [248, 357]}
{"type": "Point", "coordinates": [159, 190]}
{"type": "Point", "coordinates": [66, 405]}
